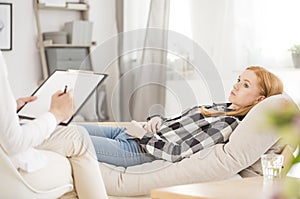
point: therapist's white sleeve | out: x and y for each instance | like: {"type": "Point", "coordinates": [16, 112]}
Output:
{"type": "Point", "coordinates": [13, 137]}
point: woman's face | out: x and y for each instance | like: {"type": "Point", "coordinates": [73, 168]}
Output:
{"type": "Point", "coordinates": [245, 91]}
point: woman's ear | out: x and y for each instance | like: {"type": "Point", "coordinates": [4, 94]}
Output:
{"type": "Point", "coordinates": [260, 98]}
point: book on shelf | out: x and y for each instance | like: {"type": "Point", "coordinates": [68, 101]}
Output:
{"type": "Point", "coordinates": [53, 3]}
{"type": "Point", "coordinates": [76, 5]}
{"type": "Point", "coordinates": [47, 42]}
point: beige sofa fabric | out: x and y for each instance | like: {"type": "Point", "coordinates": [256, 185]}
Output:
{"type": "Point", "coordinates": [248, 142]}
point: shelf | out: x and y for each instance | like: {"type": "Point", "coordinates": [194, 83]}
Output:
{"type": "Point", "coordinates": [43, 6]}
{"type": "Point", "coordinates": [66, 46]}
{"type": "Point", "coordinates": [49, 44]}
{"type": "Point", "coordinates": [82, 8]}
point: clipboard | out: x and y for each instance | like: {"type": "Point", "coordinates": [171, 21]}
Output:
{"type": "Point", "coordinates": [83, 83]}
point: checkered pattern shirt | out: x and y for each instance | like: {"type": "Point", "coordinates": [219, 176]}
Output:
{"type": "Point", "coordinates": [189, 133]}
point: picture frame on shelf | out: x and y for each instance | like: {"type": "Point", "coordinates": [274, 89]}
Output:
{"type": "Point", "coordinates": [5, 26]}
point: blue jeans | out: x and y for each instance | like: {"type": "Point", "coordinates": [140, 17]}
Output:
{"type": "Point", "coordinates": [114, 146]}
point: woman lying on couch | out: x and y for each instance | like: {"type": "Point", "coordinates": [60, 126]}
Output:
{"type": "Point", "coordinates": [180, 137]}
{"type": "Point", "coordinates": [24, 143]}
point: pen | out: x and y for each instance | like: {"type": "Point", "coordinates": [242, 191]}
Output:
{"type": "Point", "coordinates": [66, 87]}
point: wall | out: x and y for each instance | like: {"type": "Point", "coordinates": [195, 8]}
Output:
{"type": "Point", "coordinates": [23, 61]}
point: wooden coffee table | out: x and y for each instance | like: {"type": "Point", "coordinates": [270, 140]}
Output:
{"type": "Point", "coordinates": [246, 188]}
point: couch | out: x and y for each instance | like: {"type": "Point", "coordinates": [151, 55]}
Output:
{"type": "Point", "coordinates": [240, 155]}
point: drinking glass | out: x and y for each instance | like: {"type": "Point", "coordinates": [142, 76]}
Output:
{"type": "Point", "coordinates": [271, 165]}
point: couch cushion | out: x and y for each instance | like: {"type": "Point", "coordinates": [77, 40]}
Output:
{"type": "Point", "coordinates": [248, 142]}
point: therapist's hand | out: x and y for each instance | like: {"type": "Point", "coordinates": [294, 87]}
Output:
{"type": "Point", "coordinates": [62, 105]}
{"type": "Point", "coordinates": [23, 100]}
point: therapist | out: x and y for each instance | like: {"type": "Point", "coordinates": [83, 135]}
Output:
{"type": "Point", "coordinates": [24, 143]}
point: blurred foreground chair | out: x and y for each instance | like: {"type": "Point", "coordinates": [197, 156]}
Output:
{"type": "Point", "coordinates": [14, 185]}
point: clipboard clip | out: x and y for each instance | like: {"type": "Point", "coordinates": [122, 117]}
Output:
{"type": "Point", "coordinates": [80, 71]}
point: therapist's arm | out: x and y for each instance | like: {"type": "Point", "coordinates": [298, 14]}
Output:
{"type": "Point", "coordinates": [15, 138]}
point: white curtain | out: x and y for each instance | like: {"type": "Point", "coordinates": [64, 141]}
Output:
{"type": "Point", "coordinates": [238, 33]}
{"type": "Point", "coordinates": [142, 58]}
{"type": "Point", "coordinates": [266, 29]}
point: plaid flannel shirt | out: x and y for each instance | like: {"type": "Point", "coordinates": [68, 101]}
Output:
{"type": "Point", "coordinates": [189, 133]}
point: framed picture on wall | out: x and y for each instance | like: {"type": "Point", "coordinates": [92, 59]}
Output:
{"type": "Point", "coordinates": [5, 26]}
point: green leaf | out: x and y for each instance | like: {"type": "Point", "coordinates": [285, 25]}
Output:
{"type": "Point", "coordinates": [297, 159]}
{"type": "Point", "coordinates": [295, 49]}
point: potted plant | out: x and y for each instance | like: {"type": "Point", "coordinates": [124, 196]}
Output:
{"type": "Point", "coordinates": [295, 50]}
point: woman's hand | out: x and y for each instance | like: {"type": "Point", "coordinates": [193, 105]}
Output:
{"type": "Point", "coordinates": [22, 101]}
{"type": "Point", "coordinates": [62, 105]}
{"type": "Point", "coordinates": [154, 124]}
